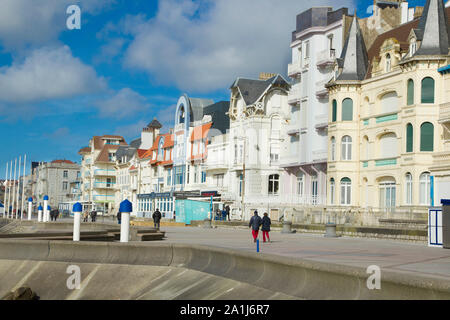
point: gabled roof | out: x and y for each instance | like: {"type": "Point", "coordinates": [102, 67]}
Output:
{"type": "Point", "coordinates": [103, 155]}
{"type": "Point", "coordinates": [168, 140]}
{"type": "Point", "coordinates": [251, 89]}
{"type": "Point", "coordinates": [85, 150]}
{"type": "Point", "coordinates": [200, 132]}
{"type": "Point", "coordinates": [141, 153]}
{"type": "Point", "coordinates": [435, 28]}
{"type": "Point", "coordinates": [136, 143]}
{"type": "Point", "coordinates": [354, 60]}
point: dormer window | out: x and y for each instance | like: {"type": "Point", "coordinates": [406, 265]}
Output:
{"type": "Point", "coordinates": [412, 47]}
{"type": "Point", "coordinates": [388, 63]}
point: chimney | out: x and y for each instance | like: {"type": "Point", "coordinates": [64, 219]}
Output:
{"type": "Point", "coordinates": [147, 138]}
{"type": "Point", "coordinates": [266, 76]}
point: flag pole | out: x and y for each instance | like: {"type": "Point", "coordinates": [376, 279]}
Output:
{"type": "Point", "coordinates": [6, 184]}
{"type": "Point", "coordinates": [23, 185]}
{"type": "Point", "coordinates": [9, 188]}
{"type": "Point", "coordinates": [14, 189]}
{"type": "Point", "coordinates": [18, 188]}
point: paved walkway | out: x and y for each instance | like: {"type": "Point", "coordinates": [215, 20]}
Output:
{"type": "Point", "coordinates": [412, 258]}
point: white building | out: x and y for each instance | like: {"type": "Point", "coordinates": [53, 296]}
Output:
{"type": "Point", "coordinates": [315, 43]}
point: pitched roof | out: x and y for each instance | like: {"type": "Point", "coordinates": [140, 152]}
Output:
{"type": "Point", "coordinates": [168, 140]}
{"type": "Point", "coordinates": [200, 132]}
{"type": "Point", "coordinates": [104, 154]}
{"type": "Point", "coordinates": [140, 153]}
{"type": "Point", "coordinates": [435, 28]}
{"type": "Point", "coordinates": [154, 124]}
{"type": "Point", "coordinates": [84, 150]}
{"type": "Point", "coordinates": [354, 60]}
{"type": "Point", "coordinates": [252, 89]}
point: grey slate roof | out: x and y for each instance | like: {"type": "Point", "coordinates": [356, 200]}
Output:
{"type": "Point", "coordinates": [436, 33]}
{"type": "Point", "coordinates": [198, 106]}
{"type": "Point", "coordinates": [125, 151]}
{"type": "Point", "coordinates": [154, 124]}
{"type": "Point", "coordinates": [220, 120]}
{"type": "Point", "coordinates": [136, 143]}
{"type": "Point", "coordinates": [354, 60]}
{"type": "Point", "coordinates": [251, 90]}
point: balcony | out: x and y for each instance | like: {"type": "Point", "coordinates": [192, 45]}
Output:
{"type": "Point", "coordinates": [294, 96]}
{"type": "Point", "coordinates": [326, 58]}
{"type": "Point", "coordinates": [104, 185]}
{"type": "Point", "coordinates": [105, 173]}
{"type": "Point", "coordinates": [216, 164]}
{"type": "Point", "coordinates": [294, 70]}
{"type": "Point", "coordinates": [444, 113]}
{"type": "Point", "coordinates": [293, 129]}
{"type": "Point", "coordinates": [320, 155]}
{"type": "Point", "coordinates": [321, 121]}
{"type": "Point", "coordinates": [321, 91]}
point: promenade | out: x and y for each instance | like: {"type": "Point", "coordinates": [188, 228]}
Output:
{"type": "Point", "coordinates": [409, 258]}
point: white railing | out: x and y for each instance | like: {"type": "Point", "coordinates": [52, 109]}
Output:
{"type": "Point", "coordinates": [444, 112]}
{"type": "Point", "coordinates": [326, 56]}
{"type": "Point", "coordinates": [294, 95]}
{"type": "Point", "coordinates": [323, 118]}
{"type": "Point", "coordinates": [320, 154]}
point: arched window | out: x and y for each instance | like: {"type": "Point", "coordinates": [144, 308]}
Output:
{"type": "Point", "coordinates": [387, 193]}
{"type": "Point", "coordinates": [333, 149]}
{"type": "Point", "coordinates": [347, 110]}
{"type": "Point", "coordinates": [409, 138]}
{"type": "Point", "coordinates": [389, 102]}
{"type": "Point", "coordinates": [332, 190]}
{"type": "Point", "coordinates": [409, 188]}
{"type": "Point", "coordinates": [346, 191]}
{"type": "Point", "coordinates": [426, 137]}
{"type": "Point", "coordinates": [424, 188]}
{"type": "Point", "coordinates": [334, 111]}
{"type": "Point", "coordinates": [274, 182]}
{"type": "Point", "coordinates": [388, 63]}
{"type": "Point", "coordinates": [346, 151]}
{"type": "Point", "coordinates": [410, 94]}
{"type": "Point", "coordinates": [428, 90]}
{"type": "Point", "coordinates": [300, 183]}
{"type": "Point", "coordinates": [388, 146]}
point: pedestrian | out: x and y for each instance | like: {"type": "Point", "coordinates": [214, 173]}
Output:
{"type": "Point", "coordinates": [56, 214]}
{"type": "Point", "coordinates": [227, 208]}
{"type": "Point", "coordinates": [224, 215]}
{"type": "Point", "coordinates": [93, 215]}
{"type": "Point", "coordinates": [119, 216]}
{"type": "Point", "coordinates": [156, 218]}
{"type": "Point", "coordinates": [266, 222]}
{"type": "Point", "coordinates": [255, 223]}
{"type": "Point", "coordinates": [85, 216]}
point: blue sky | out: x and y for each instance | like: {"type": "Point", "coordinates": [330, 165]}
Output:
{"type": "Point", "coordinates": [130, 62]}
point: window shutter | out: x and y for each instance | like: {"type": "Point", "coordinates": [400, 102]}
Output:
{"type": "Point", "coordinates": [347, 110]}
{"type": "Point", "coordinates": [426, 137]}
{"type": "Point", "coordinates": [428, 90]}
{"type": "Point", "coordinates": [409, 138]}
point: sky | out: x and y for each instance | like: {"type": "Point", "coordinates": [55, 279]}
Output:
{"type": "Point", "coordinates": [130, 62]}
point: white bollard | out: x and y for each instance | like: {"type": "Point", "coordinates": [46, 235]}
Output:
{"type": "Point", "coordinates": [77, 208]}
{"type": "Point", "coordinates": [126, 208]}
{"type": "Point", "coordinates": [40, 214]}
{"type": "Point", "coordinates": [48, 213]}
{"type": "Point", "coordinates": [45, 209]}
{"type": "Point", "coordinates": [30, 207]}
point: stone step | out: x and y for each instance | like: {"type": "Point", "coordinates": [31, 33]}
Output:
{"type": "Point", "coordinates": [151, 236]}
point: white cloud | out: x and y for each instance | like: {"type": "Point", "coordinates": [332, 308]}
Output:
{"type": "Point", "coordinates": [25, 23]}
{"type": "Point", "coordinates": [204, 45]}
{"type": "Point", "coordinates": [124, 103]}
{"type": "Point", "coordinates": [48, 73]}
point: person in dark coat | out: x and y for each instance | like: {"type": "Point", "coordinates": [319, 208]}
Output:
{"type": "Point", "coordinates": [156, 218]}
{"type": "Point", "coordinates": [227, 209]}
{"type": "Point", "coordinates": [266, 227]}
{"type": "Point", "coordinates": [255, 223]}
{"type": "Point", "coordinates": [119, 216]}
{"type": "Point", "coordinates": [93, 216]}
{"type": "Point", "coordinates": [224, 215]}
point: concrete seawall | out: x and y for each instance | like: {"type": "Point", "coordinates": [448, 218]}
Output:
{"type": "Point", "coordinates": [283, 276]}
